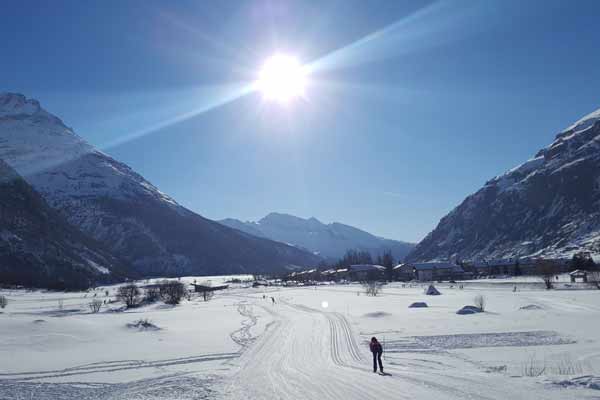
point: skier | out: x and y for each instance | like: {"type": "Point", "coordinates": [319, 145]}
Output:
{"type": "Point", "coordinates": [377, 350]}
{"type": "Point", "coordinates": [273, 300]}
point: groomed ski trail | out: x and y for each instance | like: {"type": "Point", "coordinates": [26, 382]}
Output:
{"type": "Point", "coordinates": [308, 354]}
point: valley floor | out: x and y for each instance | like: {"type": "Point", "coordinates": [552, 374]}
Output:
{"type": "Point", "coordinates": [311, 344]}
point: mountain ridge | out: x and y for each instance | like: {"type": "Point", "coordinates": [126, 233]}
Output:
{"type": "Point", "coordinates": [328, 240]}
{"type": "Point", "coordinates": [547, 206]}
{"type": "Point", "coordinates": [116, 206]}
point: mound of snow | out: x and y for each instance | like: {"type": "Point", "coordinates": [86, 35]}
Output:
{"type": "Point", "coordinates": [377, 314]}
{"type": "Point", "coordinates": [587, 381]}
{"type": "Point", "coordinates": [143, 325]}
{"type": "Point", "coordinates": [531, 307]}
{"type": "Point", "coordinates": [432, 291]}
{"type": "Point", "coordinates": [418, 304]}
{"type": "Point", "coordinates": [467, 310]}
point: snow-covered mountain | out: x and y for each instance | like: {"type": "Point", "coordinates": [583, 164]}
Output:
{"type": "Point", "coordinates": [327, 240]}
{"type": "Point", "coordinates": [550, 205]}
{"type": "Point", "coordinates": [113, 204]}
{"type": "Point", "coordinates": [39, 248]}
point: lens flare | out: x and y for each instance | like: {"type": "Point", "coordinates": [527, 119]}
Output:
{"type": "Point", "coordinates": [282, 78]}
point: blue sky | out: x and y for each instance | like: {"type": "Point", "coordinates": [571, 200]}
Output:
{"type": "Point", "coordinates": [422, 104]}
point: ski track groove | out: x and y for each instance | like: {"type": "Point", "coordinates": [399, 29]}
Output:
{"type": "Point", "coordinates": [289, 376]}
{"type": "Point", "coordinates": [113, 366]}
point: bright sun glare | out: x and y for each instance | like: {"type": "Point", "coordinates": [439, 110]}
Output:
{"type": "Point", "coordinates": [281, 78]}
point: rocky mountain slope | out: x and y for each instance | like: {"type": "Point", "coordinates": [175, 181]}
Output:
{"type": "Point", "coordinates": [39, 248]}
{"type": "Point", "coordinates": [550, 205]}
{"type": "Point", "coordinates": [119, 208]}
{"type": "Point", "coordinates": [328, 240]}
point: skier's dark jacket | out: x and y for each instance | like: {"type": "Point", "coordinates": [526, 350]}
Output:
{"type": "Point", "coordinates": [375, 347]}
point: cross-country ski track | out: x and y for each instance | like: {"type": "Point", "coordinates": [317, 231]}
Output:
{"type": "Point", "coordinates": [311, 354]}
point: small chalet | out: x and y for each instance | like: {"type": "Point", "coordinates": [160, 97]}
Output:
{"type": "Point", "coordinates": [579, 274]}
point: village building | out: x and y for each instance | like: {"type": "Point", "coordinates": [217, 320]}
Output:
{"type": "Point", "coordinates": [579, 274]}
{"type": "Point", "coordinates": [201, 288]}
{"type": "Point", "coordinates": [364, 272]}
{"type": "Point", "coordinates": [429, 271]}
{"type": "Point", "coordinates": [516, 266]}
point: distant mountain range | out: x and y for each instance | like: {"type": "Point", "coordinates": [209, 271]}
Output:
{"type": "Point", "coordinates": [71, 215]}
{"type": "Point", "coordinates": [330, 241]}
{"type": "Point", "coordinates": [106, 200]}
{"type": "Point", "coordinates": [549, 206]}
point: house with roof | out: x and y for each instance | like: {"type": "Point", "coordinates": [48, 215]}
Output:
{"type": "Point", "coordinates": [429, 271]}
{"type": "Point", "coordinates": [516, 266]}
{"type": "Point", "coordinates": [578, 274]}
{"type": "Point", "coordinates": [207, 287]}
{"type": "Point", "coordinates": [505, 266]}
{"type": "Point", "coordinates": [363, 272]}
{"type": "Point", "coordinates": [305, 276]}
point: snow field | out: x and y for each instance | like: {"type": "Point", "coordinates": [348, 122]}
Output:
{"type": "Point", "coordinates": [241, 346]}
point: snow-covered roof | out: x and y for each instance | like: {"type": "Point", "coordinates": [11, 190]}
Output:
{"type": "Point", "coordinates": [328, 272]}
{"type": "Point", "coordinates": [578, 272]}
{"type": "Point", "coordinates": [309, 271]}
{"type": "Point", "coordinates": [366, 267]}
{"type": "Point", "coordinates": [431, 266]}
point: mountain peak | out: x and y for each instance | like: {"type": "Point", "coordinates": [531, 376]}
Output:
{"type": "Point", "coordinates": [328, 240]}
{"type": "Point", "coordinates": [117, 207]}
{"type": "Point", "coordinates": [585, 122]}
{"type": "Point", "coordinates": [545, 206]}
{"type": "Point", "coordinates": [14, 104]}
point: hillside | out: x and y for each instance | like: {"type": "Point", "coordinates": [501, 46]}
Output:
{"type": "Point", "coordinates": [549, 205]}
{"type": "Point", "coordinates": [39, 248]}
{"type": "Point", "coordinates": [110, 202]}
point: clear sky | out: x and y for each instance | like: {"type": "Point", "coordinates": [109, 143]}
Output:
{"type": "Point", "coordinates": [410, 106]}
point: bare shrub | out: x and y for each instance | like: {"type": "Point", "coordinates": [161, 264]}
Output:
{"type": "Point", "coordinates": [479, 301]}
{"type": "Point", "coordinates": [3, 301]}
{"type": "Point", "coordinates": [207, 295]}
{"type": "Point", "coordinates": [95, 306]}
{"type": "Point", "coordinates": [143, 324]}
{"type": "Point", "coordinates": [172, 291]}
{"type": "Point", "coordinates": [372, 288]}
{"type": "Point", "coordinates": [152, 294]}
{"type": "Point", "coordinates": [533, 367]}
{"type": "Point", "coordinates": [566, 366]}
{"type": "Point", "coordinates": [546, 270]}
{"type": "Point", "coordinates": [129, 294]}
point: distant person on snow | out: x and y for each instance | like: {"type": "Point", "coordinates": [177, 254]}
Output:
{"type": "Point", "coordinates": [377, 350]}
{"type": "Point", "coordinates": [273, 300]}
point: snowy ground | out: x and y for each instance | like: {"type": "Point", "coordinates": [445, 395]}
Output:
{"type": "Point", "coordinates": [310, 344]}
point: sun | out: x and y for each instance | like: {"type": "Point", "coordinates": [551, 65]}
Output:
{"type": "Point", "coordinates": [281, 78]}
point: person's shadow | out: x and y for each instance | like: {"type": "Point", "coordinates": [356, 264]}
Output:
{"type": "Point", "coordinates": [384, 374]}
